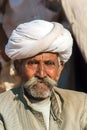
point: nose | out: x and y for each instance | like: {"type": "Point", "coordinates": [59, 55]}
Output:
{"type": "Point", "coordinates": [41, 72]}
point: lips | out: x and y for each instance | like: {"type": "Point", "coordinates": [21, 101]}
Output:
{"type": "Point", "coordinates": [41, 84]}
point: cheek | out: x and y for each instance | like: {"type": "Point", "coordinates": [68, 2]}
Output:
{"type": "Point", "coordinates": [29, 72]}
{"type": "Point", "coordinates": [52, 73]}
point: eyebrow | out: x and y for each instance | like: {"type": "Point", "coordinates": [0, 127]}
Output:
{"type": "Point", "coordinates": [32, 61]}
{"type": "Point", "coordinates": [50, 62]}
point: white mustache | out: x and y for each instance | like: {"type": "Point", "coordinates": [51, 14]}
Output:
{"type": "Point", "coordinates": [48, 81]}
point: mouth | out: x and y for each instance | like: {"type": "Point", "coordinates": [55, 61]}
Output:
{"type": "Point", "coordinates": [41, 84]}
{"type": "Point", "coordinates": [45, 83]}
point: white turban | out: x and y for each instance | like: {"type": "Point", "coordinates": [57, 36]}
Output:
{"type": "Point", "coordinates": [37, 36]}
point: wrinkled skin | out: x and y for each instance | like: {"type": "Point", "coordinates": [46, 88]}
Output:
{"type": "Point", "coordinates": [41, 73]}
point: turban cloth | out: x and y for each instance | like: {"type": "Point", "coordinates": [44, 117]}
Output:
{"type": "Point", "coordinates": [34, 37]}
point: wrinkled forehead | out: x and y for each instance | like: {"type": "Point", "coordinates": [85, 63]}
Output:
{"type": "Point", "coordinates": [44, 55]}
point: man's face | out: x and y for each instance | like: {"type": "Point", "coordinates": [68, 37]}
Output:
{"type": "Point", "coordinates": [42, 71]}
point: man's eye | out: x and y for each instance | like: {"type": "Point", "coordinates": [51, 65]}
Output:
{"type": "Point", "coordinates": [31, 62]}
{"type": "Point", "coordinates": [49, 62]}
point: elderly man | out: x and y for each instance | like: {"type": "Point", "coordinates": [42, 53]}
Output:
{"type": "Point", "coordinates": [39, 50]}
{"type": "Point", "coordinates": [11, 16]}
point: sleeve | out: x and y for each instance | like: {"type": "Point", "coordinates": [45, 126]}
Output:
{"type": "Point", "coordinates": [84, 115]}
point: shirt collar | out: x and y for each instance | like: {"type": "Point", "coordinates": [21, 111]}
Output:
{"type": "Point", "coordinates": [56, 104]}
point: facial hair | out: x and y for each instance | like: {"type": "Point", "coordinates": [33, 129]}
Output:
{"type": "Point", "coordinates": [40, 88]}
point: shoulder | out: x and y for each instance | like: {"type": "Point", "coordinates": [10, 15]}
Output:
{"type": "Point", "coordinates": [74, 102]}
{"type": "Point", "coordinates": [72, 97]}
{"type": "Point", "coordinates": [69, 93]}
{"type": "Point", "coordinates": [8, 96]}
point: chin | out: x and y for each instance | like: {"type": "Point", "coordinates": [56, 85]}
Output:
{"type": "Point", "coordinates": [40, 94]}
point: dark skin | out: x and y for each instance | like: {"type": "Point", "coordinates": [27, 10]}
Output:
{"type": "Point", "coordinates": [41, 66]}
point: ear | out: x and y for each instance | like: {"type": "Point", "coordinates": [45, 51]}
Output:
{"type": "Point", "coordinates": [60, 70]}
{"type": "Point", "coordinates": [17, 67]}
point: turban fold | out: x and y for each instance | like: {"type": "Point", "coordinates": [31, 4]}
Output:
{"type": "Point", "coordinates": [32, 38]}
